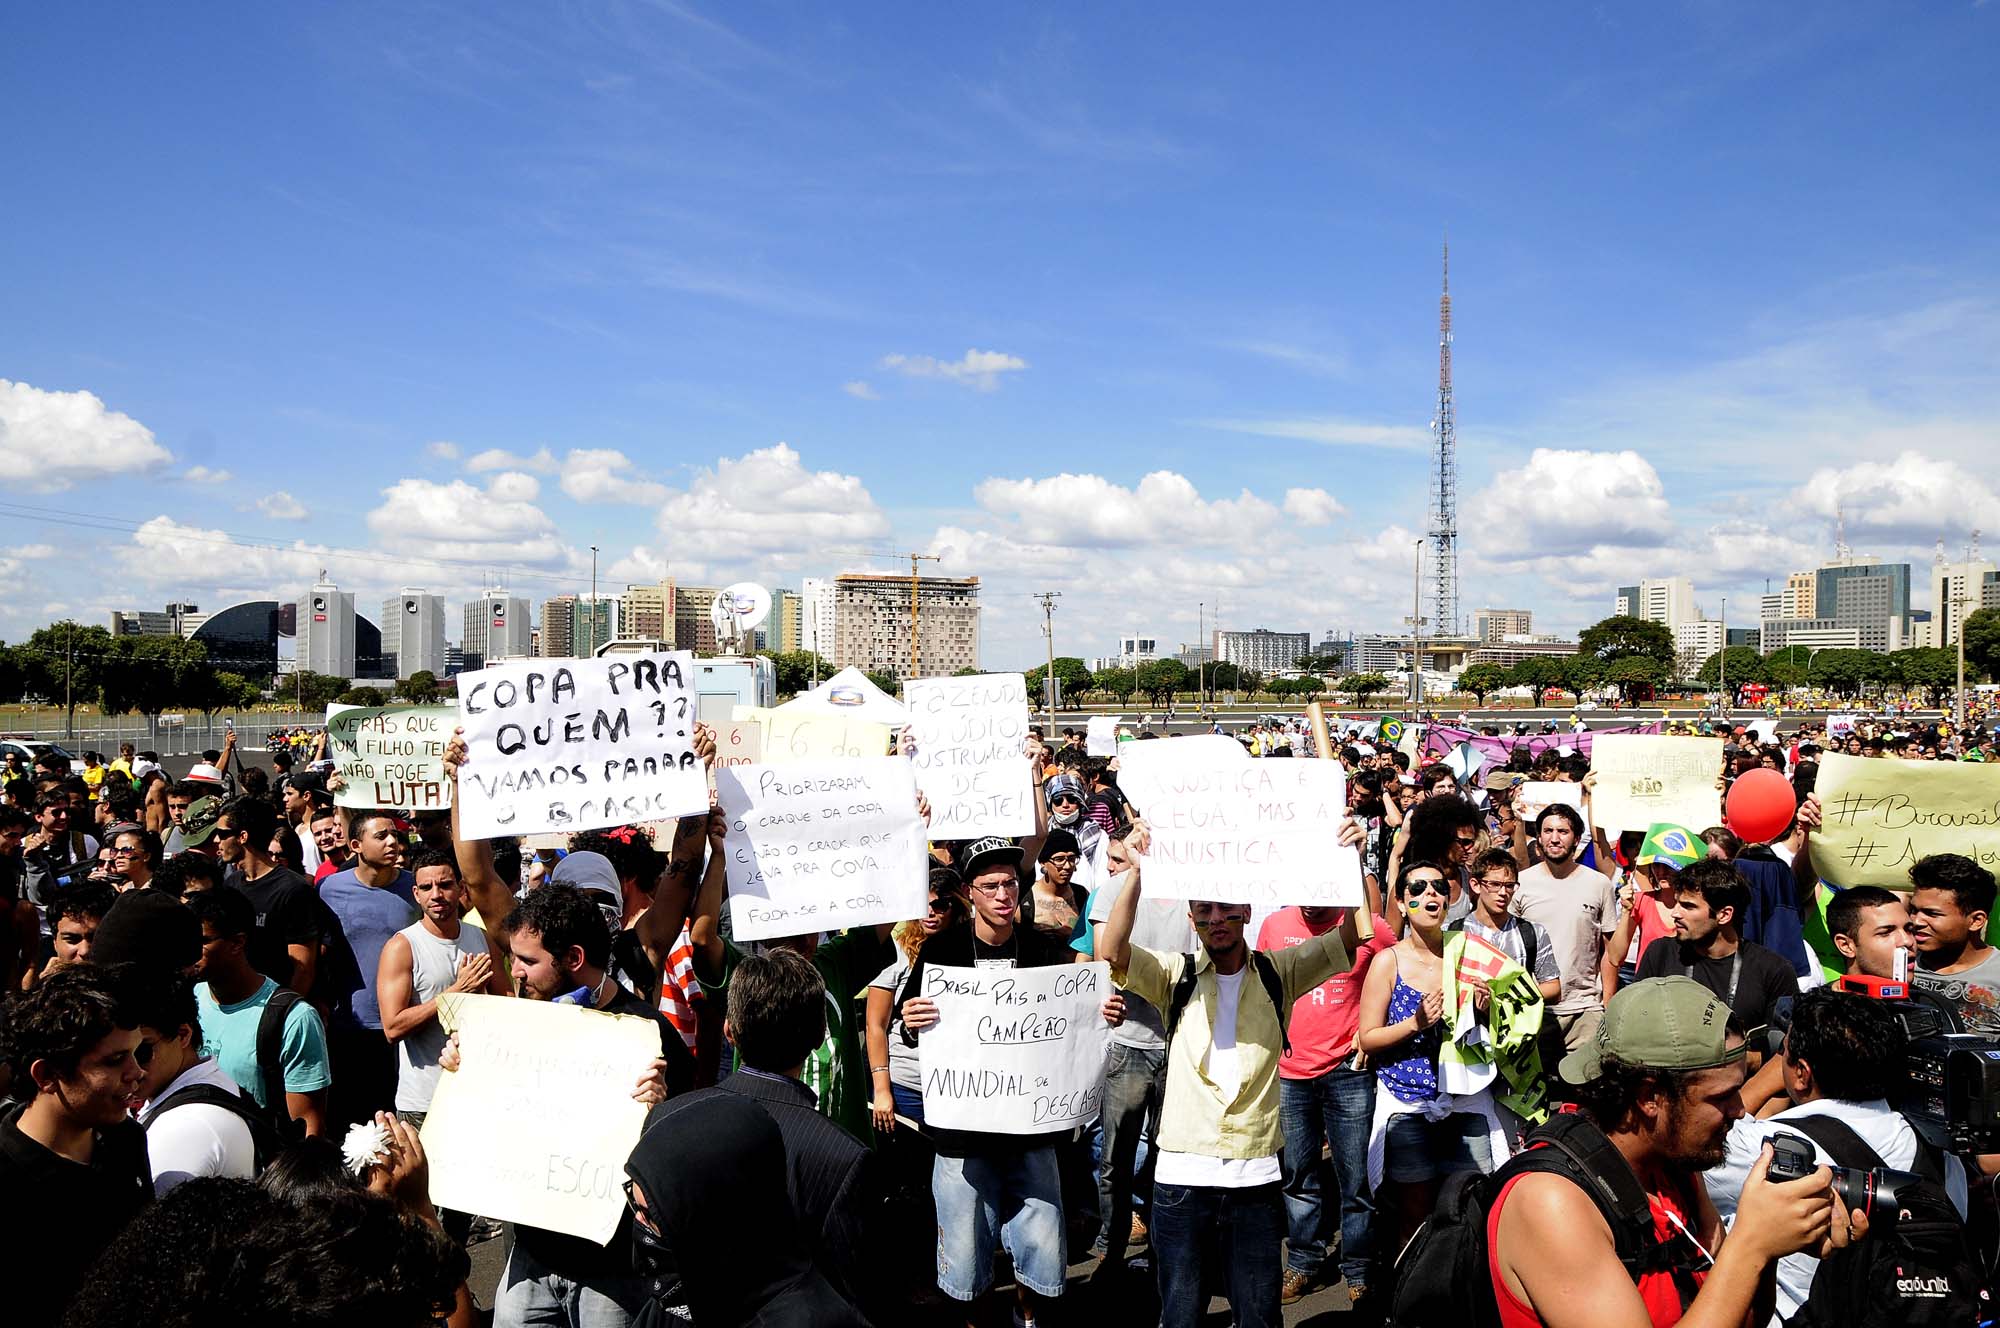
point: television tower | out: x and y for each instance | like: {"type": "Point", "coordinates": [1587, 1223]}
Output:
{"type": "Point", "coordinates": [1444, 493]}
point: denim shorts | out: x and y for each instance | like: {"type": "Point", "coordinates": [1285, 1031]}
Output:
{"type": "Point", "coordinates": [1010, 1198]}
{"type": "Point", "coordinates": [909, 1102]}
{"type": "Point", "coordinates": [1416, 1149]}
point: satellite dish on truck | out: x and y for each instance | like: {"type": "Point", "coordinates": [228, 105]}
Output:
{"type": "Point", "coordinates": [736, 613]}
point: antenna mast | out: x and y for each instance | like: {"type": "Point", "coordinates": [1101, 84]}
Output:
{"type": "Point", "coordinates": [1444, 495]}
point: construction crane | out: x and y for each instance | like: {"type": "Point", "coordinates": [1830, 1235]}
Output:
{"type": "Point", "coordinates": [915, 580]}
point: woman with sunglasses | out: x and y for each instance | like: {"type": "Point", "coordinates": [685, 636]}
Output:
{"type": "Point", "coordinates": [1422, 1133]}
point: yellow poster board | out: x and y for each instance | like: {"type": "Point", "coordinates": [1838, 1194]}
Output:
{"type": "Point", "coordinates": [801, 735]}
{"type": "Point", "coordinates": [1879, 816]}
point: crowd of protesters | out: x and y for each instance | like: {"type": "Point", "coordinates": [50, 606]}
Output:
{"type": "Point", "coordinates": [224, 1038]}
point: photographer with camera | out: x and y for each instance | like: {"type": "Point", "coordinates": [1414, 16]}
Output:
{"type": "Point", "coordinates": [1843, 1057]}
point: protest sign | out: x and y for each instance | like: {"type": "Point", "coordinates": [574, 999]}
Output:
{"type": "Point", "coordinates": [1643, 780]}
{"type": "Point", "coordinates": [968, 741]}
{"type": "Point", "coordinates": [1535, 796]}
{"type": "Point", "coordinates": [1100, 735]}
{"type": "Point", "coordinates": [1839, 726]}
{"type": "Point", "coordinates": [1441, 738]}
{"type": "Point", "coordinates": [578, 743]}
{"type": "Point", "coordinates": [822, 844]}
{"type": "Point", "coordinates": [536, 1123]}
{"type": "Point", "coordinates": [807, 735]}
{"type": "Point", "coordinates": [1227, 827]}
{"type": "Point", "coordinates": [739, 742]}
{"type": "Point", "coordinates": [390, 756]}
{"type": "Point", "coordinates": [1879, 816]}
{"type": "Point", "coordinates": [1014, 1051]}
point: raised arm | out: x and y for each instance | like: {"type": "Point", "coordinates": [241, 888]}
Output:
{"type": "Point", "coordinates": [1114, 939]}
{"type": "Point", "coordinates": [659, 927]}
{"type": "Point", "coordinates": [705, 923]}
{"type": "Point", "coordinates": [484, 889]}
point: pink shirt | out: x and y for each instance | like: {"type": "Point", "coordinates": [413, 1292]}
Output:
{"type": "Point", "coordinates": [1324, 1019]}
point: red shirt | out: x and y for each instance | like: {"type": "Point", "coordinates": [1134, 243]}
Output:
{"type": "Point", "coordinates": [1658, 1290]}
{"type": "Point", "coordinates": [1324, 1019]}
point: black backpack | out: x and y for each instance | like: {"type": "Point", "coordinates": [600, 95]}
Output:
{"type": "Point", "coordinates": [1442, 1278]}
{"type": "Point", "coordinates": [1912, 1272]}
{"type": "Point", "coordinates": [1267, 974]}
{"type": "Point", "coordinates": [264, 1139]}
{"type": "Point", "coordinates": [271, 1068]}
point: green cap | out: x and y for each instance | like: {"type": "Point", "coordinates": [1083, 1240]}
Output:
{"type": "Point", "coordinates": [1659, 1024]}
{"type": "Point", "coordinates": [1673, 846]}
{"type": "Point", "coordinates": [199, 820]}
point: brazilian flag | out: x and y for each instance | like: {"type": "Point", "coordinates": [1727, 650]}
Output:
{"type": "Point", "coordinates": [1391, 730]}
{"type": "Point", "coordinates": [1674, 845]}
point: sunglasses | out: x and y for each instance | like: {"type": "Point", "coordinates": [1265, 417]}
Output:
{"type": "Point", "coordinates": [1426, 885]}
{"type": "Point", "coordinates": [636, 1202]}
{"type": "Point", "coordinates": [940, 906]}
{"type": "Point", "coordinates": [1062, 859]}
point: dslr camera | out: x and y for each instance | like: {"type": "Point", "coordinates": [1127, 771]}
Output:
{"type": "Point", "coordinates": [1875, 1191]}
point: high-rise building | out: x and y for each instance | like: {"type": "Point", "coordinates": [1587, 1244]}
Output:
{"type": "Point", "coordinates": [818, 615]}
{"type": "Point", "coordinates": [497, 627]}
{"type": "Point", "coordinates": [694, 629]}
{"type": "Point", "coordinates": [598, 622]}
{"type": "Point", "coordinates": [1871, 597]}
{"type": "Point", "coordinates": [1772, 605]}
{"type": "Point", "coordinates": [785, 628]}
{"type": "Point", "coordinates": [1195, 656]}
{"type": "Point", "coordinates": [1801, 595]}
{"type": "Point", "coordinates": [872, 621]}
{"type": "Point", "coordinates": [326, 629]}
{"type": "Point", "coordinates": [1666, 600]}
{"type": "Point", "coordinates": [413, 633]}
{"type": "Point", "coordinates": [1694, 642]}
{"type": "Point", "coordinates": [1263, 650]}
{"type": "Point", "coordinates": [454, 659]}
{"type": "Point", "coordinates": [558, 631]}
{"type": "Point", "coordinates": [176, 619]}
{"type": "Point", "coordinates": [1492, 625]}
{"type": "Point", "coordinates": [1957, 589]}
{"type": "Point", "coordinates": [648, 612]}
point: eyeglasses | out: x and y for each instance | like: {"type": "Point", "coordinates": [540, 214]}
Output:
{"type": "Point", "coordinates": [1421, 885]}
{"type": "Point", "coordinates": [996, 887]}
{"type": "Point", "coordinates": [1062, 859]}
{"type": "Point", "coordinates": [1497, 882]}
{"type": "Point", "coordinates": [1204, 922]}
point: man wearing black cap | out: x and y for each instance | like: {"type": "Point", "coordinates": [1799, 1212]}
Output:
{"type": "Point", "coordinates": [1659, 1082]}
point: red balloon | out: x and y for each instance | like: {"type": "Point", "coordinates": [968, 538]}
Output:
{"type": "Point", "coordinates": [1760, 805]}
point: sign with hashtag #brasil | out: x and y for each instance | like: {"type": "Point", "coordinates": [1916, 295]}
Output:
{"type": "Point", "coordinates": [1880, 816]}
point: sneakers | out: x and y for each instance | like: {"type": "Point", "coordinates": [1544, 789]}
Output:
{"type": "Point", "coordinates": [1294, 1287]}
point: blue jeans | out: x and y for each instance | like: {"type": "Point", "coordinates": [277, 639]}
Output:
{"type": "Point", "coordinates": [1010, 1198]}
{"type": "Point", "coordinates": [1134, 1078]}
{"type": "Point", "coordinates": [1233, 1233]}
{"type": "Point", "coordinates": [1336, 1108]}
{"type": "Point", "coordinates": [531, 1296]}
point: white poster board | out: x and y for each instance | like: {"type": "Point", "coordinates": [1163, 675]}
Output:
{"type": "Point", "coordinates": [390, 756]}
{"type": "Point", "coordinates": [1014, 1051]}
{"type": "Point", "coordinates": [968, 742]}
{"type": "Point", "coordinates": [536, 1123]}
{"type": "Point", "coordinates": [1644, 779]}
{"type": "Point", "coordinates": [1840, 726]}
{"type": "Point", "coordinates": [1536, 796]}
{"type": "Point", "coordinates": [823, 844]}
{"type": "Point", "coordinates": [1100, 735]}
{"type": "Point", "coordinates": [1229, 828]}
{"type": "Point", "coordinates": [575, 744]}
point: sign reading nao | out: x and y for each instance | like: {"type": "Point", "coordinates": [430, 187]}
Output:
{"type": "Point", "coordinates": [1016, 1051]}
{"type": "Point", "coordinates": [968, 738]}
{"type": "Point", "coordinates": [576, 744]}
{"type": "Point", "coordinates": [1643, 780]}
{"type": "Point", "coordinates": [390, 756]}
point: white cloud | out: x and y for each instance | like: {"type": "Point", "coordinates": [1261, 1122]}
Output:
{"type": "Point", "coordinates": [442, 450]}
{"type": "Point", "coordinates": [281, 506]}
{"type": "Point", "coordinates": [512, 486]}
{"type": "Point", "coordinates": [1089, 510]}
{"type": "Point", "coordinates": [604, 475]}
{"type": "Point", "coordinates": [860, 390]}
{"type": "Point", "coordinates": [1312, 507]}
{"type": "Point", "coordinates": [976, 369]}
{"type": "Point", "coordinates": [1913, 498]}
{"type": "Point", "coordinates": [456, 521]}
{"type": "Point", "coordinates": [165, 552]}
{"type": "Point", "coordinates": [767, 502]}
{"type": "Point", "coordinates": [644, 564]}
{"type": "Point", "coordinates": [31, 551]}
{"type": "Point", "coordinates": [1332, 432]}
{"type": "Point", "coordinates": [543, 462]}
{"type": "Point", "coordinates": [1568, 503]}
{"type": "Point", "coordinates": [52, 440]}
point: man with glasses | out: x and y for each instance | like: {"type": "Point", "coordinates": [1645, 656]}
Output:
{"type": "Point", "coordinates": [1576, 907]}
{"type": "Point", "coordinates": [57, 855]}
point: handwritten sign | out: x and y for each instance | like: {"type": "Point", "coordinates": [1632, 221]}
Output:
{"type": "Point", "coordinates": [967, 738]}
{"type": "Point", "coordinates": [822, 844]}
{"type": "Point", "coordinates": [1643, 780]}
{"type": "Point", "coordinates": [805, 735]}
{"type": "Point", "coordinates": [391, 756]}
{"type": "Point", "coordinates": [553, 1153]}
{"type": "Point", "coordinates": [1100, 735]}
{"type": "Point", "coordinates": [1014, 1051]}
{"type": "Point", "coordinates": [575, 744]}
{"type": "Point", "coordinates": [1536, 796]}
{"type": "Point", "coordinates": [1840, 726]}
{"type": "Point", "coordinates": [739, 743]}
{"type": "Point", "coordinates": [1880, 816]}
{"type": "Point", "coordinates": [1229, 828]}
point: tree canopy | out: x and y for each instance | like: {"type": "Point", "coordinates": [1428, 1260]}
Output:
{"type": "Point", "coordinates": [1617, 638]}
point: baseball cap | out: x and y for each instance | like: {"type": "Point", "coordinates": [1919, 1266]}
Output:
{"type": "Point", "coordinates": [199, 820]}
{"type": "Point", "coordinates": [983, 853]}
{"type": "Point", "coordinates": [1671, 1023]}
{"type": "Point", "coordinates": [1504, 779]}
{"type": "Point", "coordinates": [203, 773]}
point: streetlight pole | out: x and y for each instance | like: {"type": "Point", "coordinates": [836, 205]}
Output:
{"type": "Point", "coordinates": [1200, 664]}
{"type": "Point", "coordinates": [1048, 599]}
{"type": "Point", "coordinates": [1722, 662]}
{"type": "Point", "coordinates": [592, 617]}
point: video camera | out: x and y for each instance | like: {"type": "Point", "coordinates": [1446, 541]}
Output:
{"type": "Point", "coordinates": [1951, 1080]}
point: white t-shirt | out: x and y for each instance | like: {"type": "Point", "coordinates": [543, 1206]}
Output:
{"type": "Point", "coordinates": [1223, 1173]}
{"type": "Point", "coordinates": [1576, 913]}
{"type": "Point", "coordinates": [195, 1138]}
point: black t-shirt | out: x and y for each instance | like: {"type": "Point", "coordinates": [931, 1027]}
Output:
{"type": "Point", "coordinates": [572, 1256]}
{"type": "Point", "coordinates": [63, 1213]}
{"type": "Point", "coordinates": [1764, 977]}
{"type": "Point", "coordinates": [288, 913]}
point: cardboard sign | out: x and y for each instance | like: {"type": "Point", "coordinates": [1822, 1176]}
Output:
{"type": "Point", "coordinates": [1840, 726]}
{"type": "Point", "coordinates": [739, 743]}
{"type": "Point", "coordinates": [1642, 781]}
{"type": "Point", "coordinates": [536, 1123]}
{"type": "Point", "coordinates": [391, 756]}
{"type": "Point", "coordinates": [1880, 816]}
{"type": "Point", "coordinates": [1538, 795]}
{"type": "Point", "coordinates": [823, 844]}
{"type": "Point", "coordinates": [575, 744]}
{"type": "Point", "coordinates": [804, 735]}
{"type": "Point", "coordinates": [968, 741]}
{"type": "Point", "coordinates": [1014, 1051]}
{"type": "Point", "coordinates": [1228, 828]}
{"type": "Point", "coordinates": [1100, 735]}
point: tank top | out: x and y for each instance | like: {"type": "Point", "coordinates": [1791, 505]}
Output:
{"type": "Point", "coordinates": [433, 967]}
{"type": "Point", "coordinates": [1412, 1076]}
{"type": "Point", "coordinates": [1657, 1289]}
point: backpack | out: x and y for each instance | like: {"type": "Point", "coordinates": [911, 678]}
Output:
{"type": "Point", "coordinates": [1267, 974]}
{"type": "Point", "coordinates": [264, 1140]}
{"type": "Point", "coordinates": [1914, 1272]}
{"type": "Point", "coordinates": [1445, 1265]}
{"type": "Point", "coordinates": [271, 1067]}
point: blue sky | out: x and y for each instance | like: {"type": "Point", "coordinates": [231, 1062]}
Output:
{"type": "Point", "coordinates": [1134, 302]}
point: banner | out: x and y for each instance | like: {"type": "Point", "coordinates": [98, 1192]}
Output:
{"type": "Point", "coordinates": [967, 738]}
{"type": "Point", "coordinates": [390, 756]}
{"type": "Point", "coordinates": [1642, 781]}
{"type": "Point", "coordinates": [536, 1123]}
{"type": "Point", "coordinates": [1442, 738]}
{"type": "Point", "coordinates": [1879, 816]}
{"type": "Point", "coordinates": [822, 844]}
{"type": "Point", "coordinates": [577, 744]}
{"type": "Point", "coordinates": [1228, 828]}
{"type": "Point", "coordinates": [1839, 726]}
{"type": "Point", "coordinates": [1017, 1051]}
